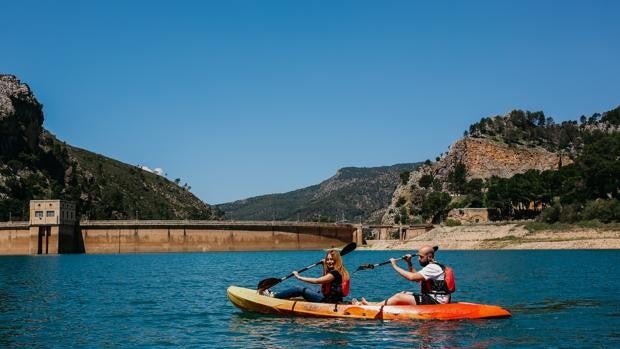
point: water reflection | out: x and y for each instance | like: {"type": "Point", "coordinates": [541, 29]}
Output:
{"type": "Point", "coordinates": [284, 332]}
{"type": "Point", "coordinates": [555, 305]}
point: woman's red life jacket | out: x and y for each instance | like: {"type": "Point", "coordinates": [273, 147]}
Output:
{"type": "Point", "coordinates": [345, 287]}
{"type": "Point", "coordinates": [445, 286]}
{"type": "Point", "coordinates": [337, 290]}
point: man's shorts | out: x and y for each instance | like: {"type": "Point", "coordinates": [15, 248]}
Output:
{"type": "Point", "coordinates": [424, 299]}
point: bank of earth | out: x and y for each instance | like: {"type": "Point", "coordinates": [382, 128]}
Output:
{"type": "Point", "coordinates": [505, 237]}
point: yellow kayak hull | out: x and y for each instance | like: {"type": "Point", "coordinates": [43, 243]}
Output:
{"type": "Point", "coordinates": [249, 300]}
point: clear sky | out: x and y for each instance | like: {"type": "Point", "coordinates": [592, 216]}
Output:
{"type": "Point", "coordinates": [244, 98]}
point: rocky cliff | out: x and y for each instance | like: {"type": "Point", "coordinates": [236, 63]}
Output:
{"type": "Point", "coordinates": [484, 158]}
{"type": "Point", "coordinates": [34, 164]}
{"type": "Point", "coordinates": [21, 117]}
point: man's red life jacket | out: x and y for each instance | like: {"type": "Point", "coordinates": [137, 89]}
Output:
{"type": "Point", "coordinates": [445, 286]}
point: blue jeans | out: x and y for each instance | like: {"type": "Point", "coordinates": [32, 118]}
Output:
{"type": "Point", "coordinates": [308, 294]}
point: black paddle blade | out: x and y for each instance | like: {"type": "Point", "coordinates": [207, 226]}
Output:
{"type": "Point", "coordinates": [365, 266]}
{"type": "Point", "coordinates": [348, 248]}
{"type": "Point", "coordinates": [267, 283]}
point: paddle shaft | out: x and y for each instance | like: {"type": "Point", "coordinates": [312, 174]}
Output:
{"type": "Point", "coordinates": [372, 266]}
{"type": "Point", "coordinates": [268, 283]}
{"type": "Point", "coordinates": [302, 270]}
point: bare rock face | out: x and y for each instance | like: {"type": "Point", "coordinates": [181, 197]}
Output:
{"type": "Point", "coordinates": [483, 158]}
{"type": "Point", "coordinates": [21, 117]}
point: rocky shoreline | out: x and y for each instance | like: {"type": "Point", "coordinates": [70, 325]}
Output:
{"type": "Point", "coordinates": [504, 237]}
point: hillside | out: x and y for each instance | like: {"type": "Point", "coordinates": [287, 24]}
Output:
{"type": "Point", "coordinates": [34, 164]}
{"type": "Point", "coordinates": [353, 194]}
{"type": "Point", "coordinates": [509, 163]}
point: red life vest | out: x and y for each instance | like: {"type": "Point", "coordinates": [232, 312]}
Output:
{"type": "Point", "coordinates": [336, 290]}
{"type": "Point", "coordinates": [445, 286]}
{"type": "Point", "coordinates": [345, 287]}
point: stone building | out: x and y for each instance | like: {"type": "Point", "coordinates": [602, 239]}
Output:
{"type": "Point", "coordinates": [52, 226]}
{"type": "Point", "coordinates": [469, 215]}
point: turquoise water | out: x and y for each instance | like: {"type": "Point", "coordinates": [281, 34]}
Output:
{"type": "Point", "coordinates": [562, 299]}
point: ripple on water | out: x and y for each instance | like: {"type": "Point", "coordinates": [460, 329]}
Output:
{"type": "Point", "coordinates": [179, 300]}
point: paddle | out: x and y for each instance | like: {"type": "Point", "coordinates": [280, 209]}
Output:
{"type": "Point", "coordinates": [372, 266]}
{"type": "Point", "coordinates": [270, 282]}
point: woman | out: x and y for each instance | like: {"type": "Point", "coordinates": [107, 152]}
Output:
{"type": "Point", "coordinates": [334, 283]}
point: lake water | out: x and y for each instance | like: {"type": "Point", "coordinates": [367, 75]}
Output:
{"type": "Point", "coordinates": [561, 299]}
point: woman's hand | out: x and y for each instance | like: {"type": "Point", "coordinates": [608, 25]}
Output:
{"type": "Point", "coordinates": [296, 274]}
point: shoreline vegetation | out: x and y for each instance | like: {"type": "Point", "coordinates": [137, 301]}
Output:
{"type": "Point", "coordinates": [514, 236]}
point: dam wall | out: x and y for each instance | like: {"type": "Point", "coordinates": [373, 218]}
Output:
{"type": "Point", "coordinates": [15, 238]}
{"type": "Point", "coordinates": [134, 236]}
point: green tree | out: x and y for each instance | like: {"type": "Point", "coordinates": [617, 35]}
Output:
{"type": "Point", "coordinates": [612, 116]}
{"type": "Point", "coordinates": [600, 166]}
{"type": "Point", "coordinates": [498, 198]}
{"type": "Point", "coordinates": [404, 177]}
{"type": "Point", "coordinates": [457, 178]}
{"type": "Point", "coordinates": [435, 205]}
{"type": "Point", "coordinates": [473, 190]}
{"type": "Point", "coordinates": [426, 181]}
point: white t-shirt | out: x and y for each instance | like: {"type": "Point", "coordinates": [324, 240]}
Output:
{"type": "Point", "coordinates": [433, 271]}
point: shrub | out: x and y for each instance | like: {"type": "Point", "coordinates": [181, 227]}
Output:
{"type": "Point", "coordinates": [606, 211]}
{"type": "Point", "coordinates": [570, 213]}
{"type": "Point", "coordinates": [551, 214]}
{"type": "Point", "coordinates": [426, 181]}
{"type": "Point", "coordinates": [395, 234]}
{"type": "Point", "coordinates": [404, 177]}
{"type": "Point", "coordinates": [452, 223]}
{"type": "Point", "coordinates": [417, 220]}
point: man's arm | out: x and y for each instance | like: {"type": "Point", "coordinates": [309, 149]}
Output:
{"type": "Point", "coordinates": [410, 275]}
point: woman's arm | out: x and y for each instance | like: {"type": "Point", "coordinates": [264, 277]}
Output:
{"type": "Point", "coordinates": [322, 280]}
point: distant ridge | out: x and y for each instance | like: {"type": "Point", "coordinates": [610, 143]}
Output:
{"type": "Point", "coordinates": [353, 194]}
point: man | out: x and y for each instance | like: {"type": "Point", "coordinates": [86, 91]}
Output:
{"type": "Point", "coordinates": [432, 277]}
{"type": "Point", "coordinates": [437, 281]}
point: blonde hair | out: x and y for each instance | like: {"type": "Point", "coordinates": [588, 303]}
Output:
{"type": "Point", "coordinates": [338, 265]}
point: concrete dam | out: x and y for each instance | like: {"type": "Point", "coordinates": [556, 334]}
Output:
{"type": "Point", "coordinates": [21, 238]}
{"type": "Point", "coordinates": [54, 229]}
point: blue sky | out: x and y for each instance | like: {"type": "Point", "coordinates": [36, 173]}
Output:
{"type": "Point", "coordinates": [244, 98]}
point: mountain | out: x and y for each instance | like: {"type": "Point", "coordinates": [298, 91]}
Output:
{"type": "Point", "coordinates": [353, 194]}
{"type": "Point", "coordinates": [34, 164]}
{"type": "Point", "coordinates": [542, 159]}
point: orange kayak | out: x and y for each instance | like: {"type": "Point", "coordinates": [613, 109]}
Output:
{"type": "Point", "coordinates": [249, 300]}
